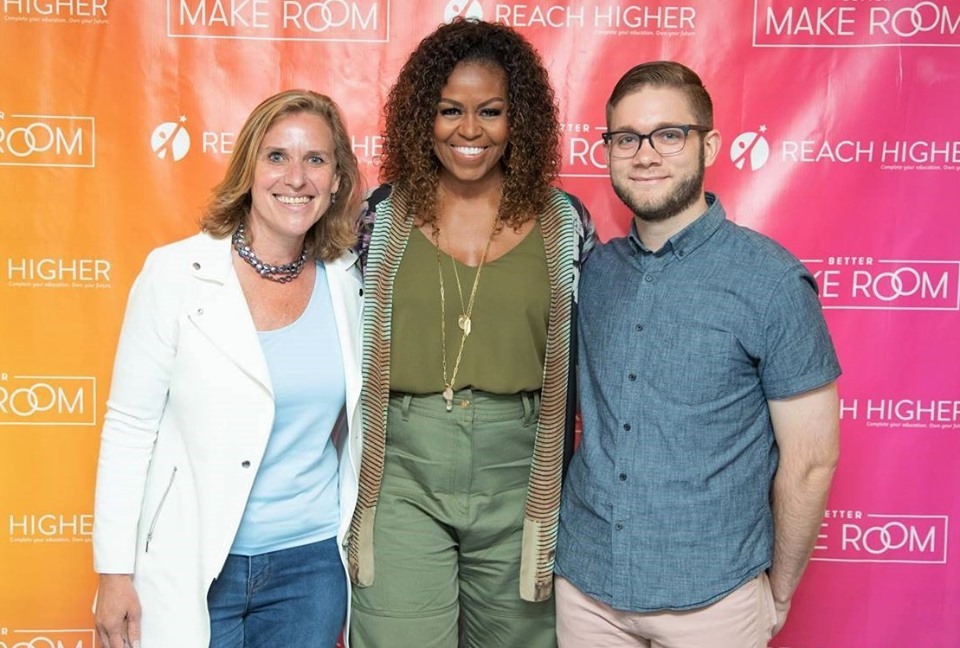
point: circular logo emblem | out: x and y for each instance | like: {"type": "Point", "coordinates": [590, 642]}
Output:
{"type": "Point", "coordinates": [170, 140]}
{"type": "Point", "coordinates": [750, 149]}
{"type": "Point", "coordinates": [469, 9]}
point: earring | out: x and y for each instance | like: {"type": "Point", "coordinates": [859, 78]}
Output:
{"type": "Point", "coordinates": [333, 198]}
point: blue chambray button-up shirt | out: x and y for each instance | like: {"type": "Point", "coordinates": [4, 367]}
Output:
{"type": "Point", "coordinates": [667, 500]}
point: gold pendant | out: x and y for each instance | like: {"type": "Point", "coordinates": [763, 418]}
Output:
{"type": "Point", "coordinates": [465, 324]}
{"type": "Point", "coordinates": [448, 396]}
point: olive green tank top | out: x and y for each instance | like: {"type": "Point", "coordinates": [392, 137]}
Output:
{"type": "Point", "coordinates": [505, 350]}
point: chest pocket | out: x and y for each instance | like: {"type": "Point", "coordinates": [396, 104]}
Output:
{"type": "Point", "coordinates": [696, 365]}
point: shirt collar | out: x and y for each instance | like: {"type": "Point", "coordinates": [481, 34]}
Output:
{"type": "Point", "coordinates": [690, 237]}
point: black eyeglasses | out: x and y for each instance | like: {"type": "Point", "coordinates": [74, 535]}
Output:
{"type": "Point", "coordinates": [668, 140]}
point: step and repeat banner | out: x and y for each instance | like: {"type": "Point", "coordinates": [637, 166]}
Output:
{"type": "Point", "coordinates": [841, 140]}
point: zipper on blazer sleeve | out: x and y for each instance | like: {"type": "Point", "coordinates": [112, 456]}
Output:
{"type": "Point", "coordinates": [156, 515]}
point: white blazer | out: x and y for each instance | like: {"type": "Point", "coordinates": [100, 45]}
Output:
{"type": "Point", "coordinates": [189, 413]}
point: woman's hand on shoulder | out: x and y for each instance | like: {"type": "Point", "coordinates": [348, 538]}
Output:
{"type": "Point", "coordinates": [118, 612]}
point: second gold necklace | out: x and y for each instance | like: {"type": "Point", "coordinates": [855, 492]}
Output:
{"type": "Point", "coordinates": [465, 321]}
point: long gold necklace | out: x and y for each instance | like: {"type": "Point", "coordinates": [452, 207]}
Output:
{"type": "Point", "coordinates": [465, 321]}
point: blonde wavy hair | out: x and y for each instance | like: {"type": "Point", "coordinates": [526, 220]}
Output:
{"type": "Point", "coordinates": [229, 204]}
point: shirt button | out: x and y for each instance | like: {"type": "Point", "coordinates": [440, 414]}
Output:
{"type": "Point", "coordinates": [648, 278]}
{"type": "Point", "coordinates": [196, 266]}
{"type": "Point", "coordinates": [627, 427]}
{"type": "Point", "coordinates": [639, 327]}
{"type": "Point", "coordinates": [361, 292]}
{"type": "Point", "coordinates": [632, 376]}
{"type": "Point", "coordinates": [618, 526]}
{"type": "Point", "coordinates": [623, 476]}
{"type": "Point", "coordinates": [245, 464]}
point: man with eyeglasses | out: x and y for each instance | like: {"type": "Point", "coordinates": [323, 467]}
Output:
{"type": "Point", "coordinates": [708, 401]}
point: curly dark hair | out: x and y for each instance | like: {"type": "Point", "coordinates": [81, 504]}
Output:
{"type": "Point", "coordinates": [532, 159]}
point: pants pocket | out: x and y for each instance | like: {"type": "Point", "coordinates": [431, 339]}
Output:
{"type": "Point", "coordinates": [768, 609]}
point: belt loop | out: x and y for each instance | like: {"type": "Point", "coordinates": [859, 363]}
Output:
{"type": "Point", "coordinates": [536, 406]}
{"type": "Point", "coordinates": [528, 408]}
{"type": "Point", "coordinates": [405, 406]}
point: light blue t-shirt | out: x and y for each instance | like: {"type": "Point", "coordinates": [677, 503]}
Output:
{"type": "Point", "coordinates": [295, 496]}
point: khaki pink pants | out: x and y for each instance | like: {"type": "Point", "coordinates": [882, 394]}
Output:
{"type": "Point", "coordinates": [742, 619]}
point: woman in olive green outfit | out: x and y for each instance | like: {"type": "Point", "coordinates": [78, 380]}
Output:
{"type": "Point", "coordinates": [471, 266]}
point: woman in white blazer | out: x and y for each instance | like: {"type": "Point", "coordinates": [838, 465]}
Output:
{"type": "Point", "coordinates": [228, 461]}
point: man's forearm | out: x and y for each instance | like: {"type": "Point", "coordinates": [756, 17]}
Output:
{"type": "Point", "coordinates": [799, 499]}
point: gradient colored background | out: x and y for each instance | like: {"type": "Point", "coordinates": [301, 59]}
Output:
{"type": "Point", "coordinates": [841, 140]}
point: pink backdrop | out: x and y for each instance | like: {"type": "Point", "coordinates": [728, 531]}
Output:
{"type": "Point", "coordinates": [841, 140]}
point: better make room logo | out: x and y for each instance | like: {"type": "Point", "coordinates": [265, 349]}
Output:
{"type": "Point", "coordinates": [47, 140]}
{"type": "Point", "coordinates": [48, 400]}
{"type": "Point", "coordinates": [15, 638]}
{"type": "Point", "coordinates": [871, 283]}
{"type": "Point", "coordinates": [854, 536]}
{"type": "Point", "coordinates": [836, 23]}
{"type": "Point", "coordinates": [349, 21]}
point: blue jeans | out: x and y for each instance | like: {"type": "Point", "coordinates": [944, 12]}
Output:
{"type": "Point", "coordinates": [293, 597]}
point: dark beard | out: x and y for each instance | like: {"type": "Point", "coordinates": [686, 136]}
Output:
{"type": "Point", "coordinates": [686, 193]}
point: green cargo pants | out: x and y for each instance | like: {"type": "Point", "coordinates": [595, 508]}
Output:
{"type": "Point", "coordinates": [448, 528]}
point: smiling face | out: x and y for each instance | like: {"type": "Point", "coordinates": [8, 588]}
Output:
{"type": "Point", "coordinates": [293, 180]}
{"type": "Point", "coordinates": [471, 130]}
{"type": "Point", "coordinates": [655, 187]}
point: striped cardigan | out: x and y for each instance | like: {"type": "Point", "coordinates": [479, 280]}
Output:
{"type": "Point", "coordinates": [568, 236]}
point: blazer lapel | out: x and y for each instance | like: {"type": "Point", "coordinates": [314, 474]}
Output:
{"type": "Point", "coordinates": [221, 312]}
